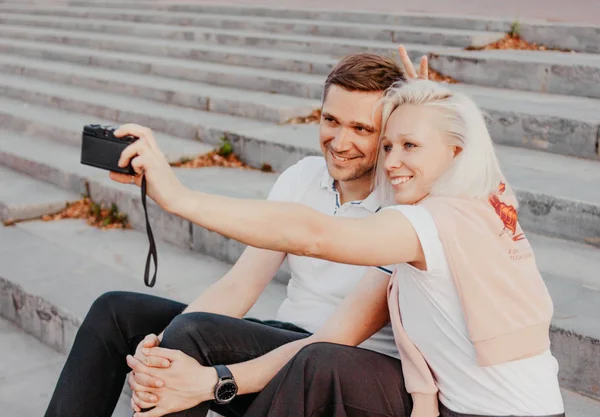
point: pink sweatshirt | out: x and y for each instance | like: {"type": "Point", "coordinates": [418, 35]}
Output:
{"type": "Point", "coordinates": [506, 304]}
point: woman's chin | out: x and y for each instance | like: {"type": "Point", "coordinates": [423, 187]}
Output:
{"type": "Point", "coordinates": [406, 199]}
{"type": "Point", "coordinates": [402, 200]}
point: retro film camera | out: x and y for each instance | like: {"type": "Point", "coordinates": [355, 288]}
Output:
{"type": "Point", "coordinates": [101, 149]}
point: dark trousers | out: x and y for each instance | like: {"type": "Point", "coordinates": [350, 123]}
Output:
{"type": "Point", "coordinates": [445, 412]}
{"type": "Point", "coordinates": [326, 379]}
{"type": "Point", "coordinates": [93, 376]}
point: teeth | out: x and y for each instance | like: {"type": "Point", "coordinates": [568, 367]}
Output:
{"type": "Point", "coordinates": [339, 158]}
{"type": "Point", "coordinates": [400, 180]}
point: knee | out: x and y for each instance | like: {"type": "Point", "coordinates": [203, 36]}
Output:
{"type": "Point", "coordinates": [321, 357]}
{"type": "Point", "coordinates": [105, 310]}
{"type": "Point", "coordinates": [189, 332]}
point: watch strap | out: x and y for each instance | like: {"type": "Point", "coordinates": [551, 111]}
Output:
{"type": "Point", "coordinates": [223, 372]}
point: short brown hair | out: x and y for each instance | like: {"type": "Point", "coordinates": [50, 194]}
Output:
{"type": "Point", "coordinates": [364, 72]}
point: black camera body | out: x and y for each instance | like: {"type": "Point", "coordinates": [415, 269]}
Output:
{"type": "Point", "coordinates": [101, 149]}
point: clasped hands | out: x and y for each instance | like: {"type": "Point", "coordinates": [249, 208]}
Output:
{"type": "Point", "coordinates": [166, 380]}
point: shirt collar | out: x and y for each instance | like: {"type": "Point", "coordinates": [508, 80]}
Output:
{"type": "Point", "coordinates": [370, 203]}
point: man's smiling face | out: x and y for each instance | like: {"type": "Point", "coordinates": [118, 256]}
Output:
{"type": "Point", "coordinates": [349, 132]}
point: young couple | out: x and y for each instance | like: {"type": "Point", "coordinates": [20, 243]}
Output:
{"type": "Point", "coordinates": [408, 185]}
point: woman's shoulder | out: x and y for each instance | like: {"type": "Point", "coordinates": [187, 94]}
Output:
{"type": "Point", "coordinates": [426, 228]}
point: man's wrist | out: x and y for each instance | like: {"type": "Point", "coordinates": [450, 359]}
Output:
{"type": "Point", "coordinates": [225, 389]}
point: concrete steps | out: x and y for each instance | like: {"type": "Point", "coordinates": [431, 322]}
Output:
{"type": "Point", "coordinates": [233, 74]}
{"type": "Point", "coordinates": [255, 141]}
{"type": "Point", "coordinates": [255, 39]}
{"type": "Point", "coordinates": [546, 72]}
{"type": "Point", "coordinates": [22, 197]}
{"type": "Point", "coordinates": [73, 258]}
{"type": "Point", "coordinates": [29, 363]}
{"type": "Point", "coordinates": [554, 123]}
{"type": "Point", "coordinates": [59, 165]}
{"type": "Point", "coordinates": [577, 37]}
{"type": "Point", "coordinates": [574, 74]}
{"type": "Point", "coordinates": [235, 55]}
{"type": "Point", "coordinates": [206, 97]}
{"type": "Point", "coordinates": [379, 32]}
{"type": "Point", "coordinates": [553, 72]}
{"type": "Point", "coordinates": [66, 128]}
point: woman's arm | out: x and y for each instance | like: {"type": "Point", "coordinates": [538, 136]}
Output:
{"type": "Point", "coordinates": [380, 239]}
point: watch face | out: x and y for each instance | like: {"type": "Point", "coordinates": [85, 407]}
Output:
{"type": "Point", "coordinates": [226, 391]}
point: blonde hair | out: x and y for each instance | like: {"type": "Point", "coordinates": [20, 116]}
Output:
{"type": "Point", "coordinates": [475, 171]}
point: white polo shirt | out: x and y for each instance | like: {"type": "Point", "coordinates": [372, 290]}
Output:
{"type": "Point", "coordinates": [316, 286]}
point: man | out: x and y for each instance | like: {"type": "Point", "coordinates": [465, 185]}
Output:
{"type": "Point", "coordinates": [212, 332]}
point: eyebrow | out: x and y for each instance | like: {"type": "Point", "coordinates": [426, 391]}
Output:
{"type": "Point", "coordinates": [352, 122]}
{"type": "Point", "coordinates": [405, 135]}
{"type": "Point", "coordinates": [363, 125]}
{"type": "Point", "coordinates": [399, 135]}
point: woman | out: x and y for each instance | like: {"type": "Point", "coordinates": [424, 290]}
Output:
{"type": "Point", "coordinates": [469, 309]}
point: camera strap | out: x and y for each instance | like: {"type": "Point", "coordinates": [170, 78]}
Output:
{"type": "Point", "coordinates": [152, 253]}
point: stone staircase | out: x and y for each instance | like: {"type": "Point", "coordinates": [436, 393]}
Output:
{"type": "Point", "coordinates": [197, 73]}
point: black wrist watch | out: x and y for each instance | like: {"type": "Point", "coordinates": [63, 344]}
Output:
{"type": "Point", "coordinates": [226, 388]}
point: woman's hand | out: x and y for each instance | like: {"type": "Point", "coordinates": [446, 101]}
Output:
{"type": "Point", "coordinates": [147, 159]}
{"type": "Point", "coordinates": [409, 69]}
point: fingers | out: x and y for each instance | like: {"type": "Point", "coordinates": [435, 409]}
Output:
{"type": "Point", "coordinates": [125, 178]}
{"type": "Point", "coordinates": [138, 148]}
{"type": "Point", "coordinates": [152, 361]}
{"type": "Point", "coordinates": [146, 381]}
{"type": "Point", "coordinates": [409, 69]}
{"type": "Point", "coordinates": [141, 403]}
{"type": "Point", "coordinates": [135, 385]}
{"type": "Point", "coordinates": [138, 131]}
{"type": "Point", "coordinates": [134, 407]}
{"type": "Point", "coordinates": [138, 366]}
{"type": "Point", "coordinates": [424, 68]}
{"type": "Point", "coordinates": [139, 164]}
{"type": "Point", "coordinates": [157, 362]}
{"type": "Point", "coordinates": [139, 382]}
{"type": "Point", "coordinates": [147, 397]}
{"type": "Point", "coordinates": [169, 354]}
{"type": "Point", "coordinates": [151, 340]}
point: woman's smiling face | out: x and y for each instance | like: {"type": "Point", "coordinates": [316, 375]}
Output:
{"type": "Point", "coordinates": [417, 151]}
